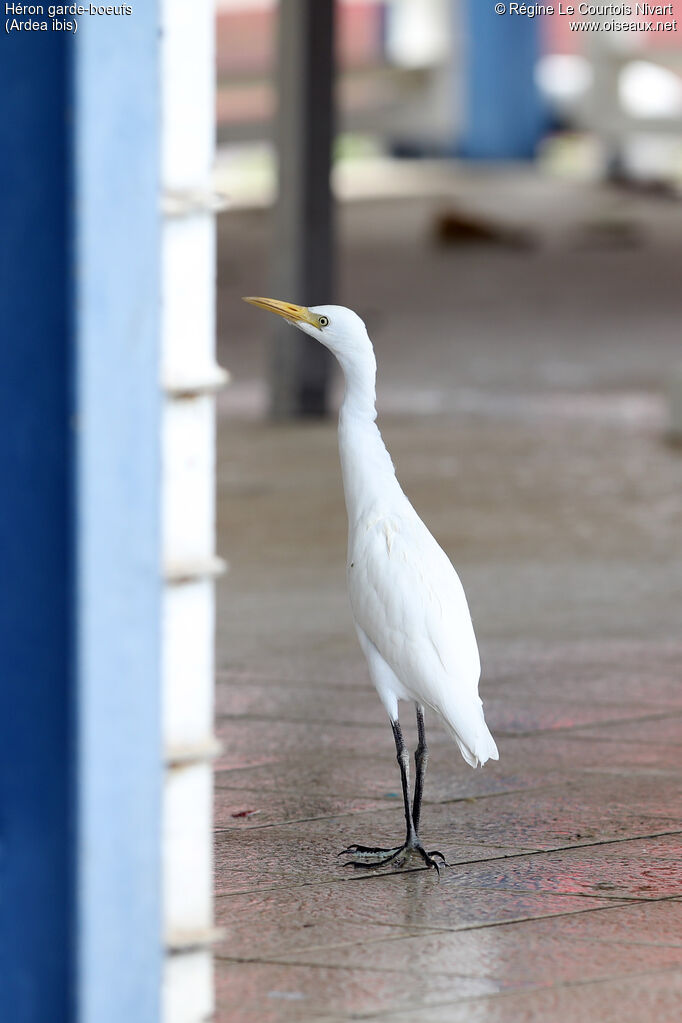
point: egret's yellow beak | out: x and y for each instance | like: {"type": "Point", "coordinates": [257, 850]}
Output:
{"type": "Point", "coordinates": [292, 313]}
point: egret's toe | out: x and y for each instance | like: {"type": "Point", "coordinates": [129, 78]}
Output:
{"type": "Point", "coordinates": [369, 856]}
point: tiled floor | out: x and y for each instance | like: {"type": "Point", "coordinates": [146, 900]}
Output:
{"type": "Point", "coordinates": [561, 506]}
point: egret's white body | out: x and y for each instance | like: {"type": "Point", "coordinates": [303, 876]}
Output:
{"type": "Point", "coordinates": [409, 606]}
{"type": "Point", "coordinates": [410, 611]}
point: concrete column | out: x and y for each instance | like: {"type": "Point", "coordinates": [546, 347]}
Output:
{"type": "Point", "coordinates": [675, 405]}
{"type": "Point", "coordinates": [302, 256]}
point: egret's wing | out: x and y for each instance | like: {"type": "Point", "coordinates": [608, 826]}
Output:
{"type": "Point", "coordinates": [409, 600]}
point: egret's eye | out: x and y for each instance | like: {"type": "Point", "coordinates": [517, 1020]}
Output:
{"type": "Point", "coordinates": [323, 321]}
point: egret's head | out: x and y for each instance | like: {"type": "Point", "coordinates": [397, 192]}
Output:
{"type": "Point", "coordinates": [337, 328]}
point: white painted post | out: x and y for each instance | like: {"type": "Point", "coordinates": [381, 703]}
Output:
{"type": "Point", "coordinates": [605, 115]}
{"type": "Point", "coordinates": [190, 378]}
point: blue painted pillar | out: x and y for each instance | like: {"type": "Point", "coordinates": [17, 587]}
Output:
{"type": "Point", "coordinates": [37, 541]}
{"type": "Point", "coordinates": [80, 748]}
{"type": "Point", "coordinates": [504, 115]}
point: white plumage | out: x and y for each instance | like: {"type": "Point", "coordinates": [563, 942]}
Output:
{"type": "Point", "coordinates": [409, 606]}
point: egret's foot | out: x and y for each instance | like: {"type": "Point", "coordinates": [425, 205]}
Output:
{"type": "Point", "coordinates": [399, 856]}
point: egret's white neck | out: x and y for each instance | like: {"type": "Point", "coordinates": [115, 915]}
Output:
{"type": "Point", "coordinates": [359, 399]}
{"type": "Point", "coordinates": [369, 479]}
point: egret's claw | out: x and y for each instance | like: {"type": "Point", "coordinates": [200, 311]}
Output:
{"type": "Point", "coordinates": [429, 860]}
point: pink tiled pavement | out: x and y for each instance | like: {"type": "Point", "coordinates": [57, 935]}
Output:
{"type": "Point", "coordinates": [543, 471]}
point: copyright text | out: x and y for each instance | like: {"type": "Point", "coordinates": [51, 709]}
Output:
{"type": "Point", "coordinates": [587, 10]}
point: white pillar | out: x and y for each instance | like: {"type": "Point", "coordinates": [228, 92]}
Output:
{"type": "Point", "coordinates": [189, 377]}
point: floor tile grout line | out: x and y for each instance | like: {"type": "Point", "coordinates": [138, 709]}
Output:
{"type": "Point", "coordinates": [464, 863]}
{"type": "Point", "coordinates": [311, 964]}
{"type": "Point", "coordinates": [500, 732]}
{"type": "Point", "coordinates": [431, 931]}
{"type": "Point", "coordinates": [236, 829]}
{"type": "Point", "coordinates": [424, 931]}
{"type": "Point", "coordinates": [497, 794]}
{"type": "Point", "coordinates": [514, 698]}
{"type": "Point", "coordinates": [604, 896]}
{"type": "Point", "coordinates": [534, 698]}
{"type": "Point", "coordinates": [393, 806]}
{"type": "Point", "coordinates": [532, 987]}
{"type": "Point", "coordinates": [506, 993]}
{"type": "Point", "coordinates": [625, 740]}
{"type": "Point", "coordinates": [615, 904]}
{"type": "Point", "coordinates": [503, 689]}
{"type": "Point", "coordinates": [418, 932]}
{"type": "Point", "coordinates": [533, 791]}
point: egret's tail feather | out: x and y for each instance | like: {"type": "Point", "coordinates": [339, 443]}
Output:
{"type": "Point", "coordinates": [481, 749]}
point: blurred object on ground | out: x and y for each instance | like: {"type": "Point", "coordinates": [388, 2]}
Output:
{"type": "Point", "coordinates": [457, 227]}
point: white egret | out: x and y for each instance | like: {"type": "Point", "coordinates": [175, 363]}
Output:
{"type": "Point", "coordinates": [409, 607]}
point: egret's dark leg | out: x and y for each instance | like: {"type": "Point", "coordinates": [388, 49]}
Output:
{"type": "Point", "coordinates": [363, 855]}
{"type": "Point", "coordinates": [421, 757]}
{"type": "Point", "coordinates": [403, 758]}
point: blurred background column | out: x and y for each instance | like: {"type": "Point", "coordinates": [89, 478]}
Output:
{"type": "Point", "coordinates": [504, 117]}
{"type": "Point", "coordinates": [80, 741]}
{"type": "Point", "coordinates": [422, 38]}
{"type": "Point", "coordinates": [190, 380]}
{"type": "Point", "coordinates": [303, 244]}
